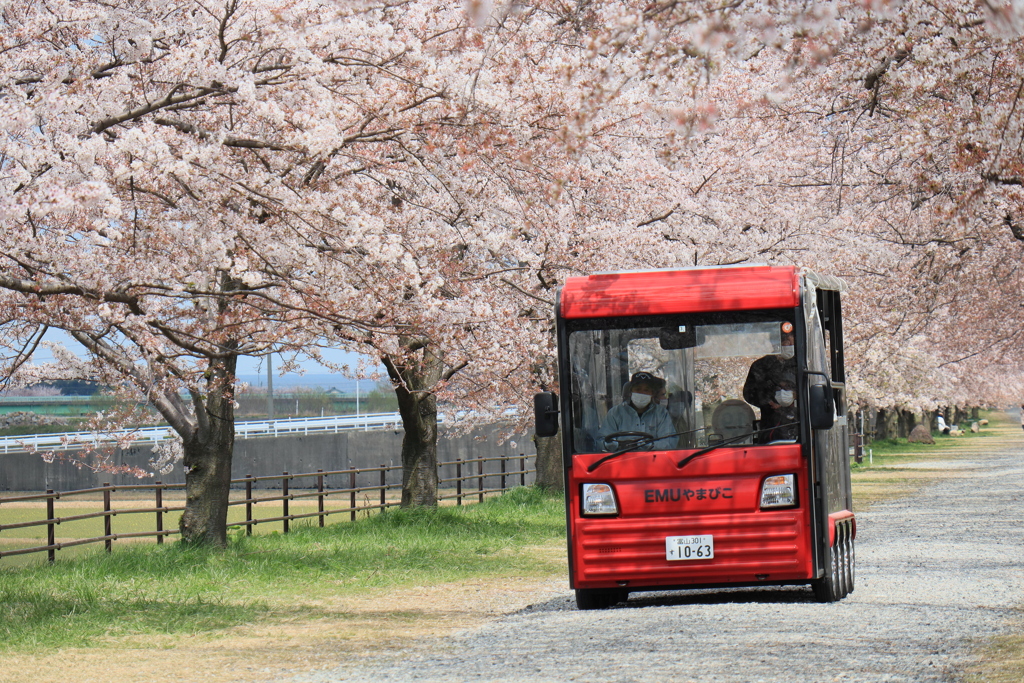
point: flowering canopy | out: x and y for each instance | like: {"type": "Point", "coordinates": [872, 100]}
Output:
{"type": "Point", "coordinates": [184, 181]}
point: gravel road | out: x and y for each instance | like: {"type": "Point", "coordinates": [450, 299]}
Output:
{"type": "Point", "coordinates": [936, 574]}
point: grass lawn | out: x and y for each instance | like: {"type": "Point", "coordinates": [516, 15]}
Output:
{"type": "Point", "coordinates": [133, 522]}
{"type": "Point", "coordinates": [144, 589]}
{"type": "Point", "coordinates": [127, 520]}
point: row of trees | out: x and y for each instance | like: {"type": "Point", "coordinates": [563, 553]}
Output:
{"type": "Point", "coordinates": [187, 182]}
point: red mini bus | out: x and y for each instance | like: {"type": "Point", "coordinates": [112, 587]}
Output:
{"type": "Point", "coordinates": [704, 427]}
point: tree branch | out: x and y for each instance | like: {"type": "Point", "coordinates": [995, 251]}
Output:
{"type": "Point", "coordinates": [26, 352]}
{"type": "Point", "coordinates": [172, 410]}
{"type": "Point", "coordinates": [228, 141]}
{"type": "Point", "coordinates": [664, 215]}
{"type": "Point", "coordinates": [168, 100]}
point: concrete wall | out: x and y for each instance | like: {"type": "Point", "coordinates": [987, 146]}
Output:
{"type": "Point", "coordinates": [272, 456]}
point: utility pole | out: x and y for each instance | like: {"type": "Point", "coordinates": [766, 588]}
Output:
{"type": "Point", "coordinates": [270, 388]}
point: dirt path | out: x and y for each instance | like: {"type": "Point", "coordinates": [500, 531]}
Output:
{"type": "Point", "coordinates": [939, 573]}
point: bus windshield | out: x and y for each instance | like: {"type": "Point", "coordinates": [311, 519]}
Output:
{"type": "Point", "coordinates": [703, 379]}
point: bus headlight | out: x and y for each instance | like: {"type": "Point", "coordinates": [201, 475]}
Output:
{"type": "Point", "coordinates": [599, 499]}
{"type": "Point", "coordinates": [779, 491]}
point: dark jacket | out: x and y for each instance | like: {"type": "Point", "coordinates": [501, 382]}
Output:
{"type": "Point", "coordinates": [763, 379]}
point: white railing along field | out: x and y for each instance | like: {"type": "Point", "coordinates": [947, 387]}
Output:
{"type": "Point", "coordinates": [243, 430]}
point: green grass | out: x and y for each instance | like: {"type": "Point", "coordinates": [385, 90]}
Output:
{"type": "Point", "coordinates": [901, 446]}
{"type": "Point", "coordinates": [73, 425]}
{"type": "Point", "coordinates": [891, 453]}
{"type": "Point", "coordinates": [124, 522]}
{"type": "Point", "coordinates": [132, 522]}
{"type": "Point", "coordinates": [886, 452]}
{"type": "Point", "coordinates": [171, 589]}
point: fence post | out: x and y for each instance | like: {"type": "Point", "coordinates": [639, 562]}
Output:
{"type": "Point", "coordinates": [320, 496]}
{"type": "Point", "coordinates": [352, 494]}
{"type": "Point", "coordinates": [383, 487]}
{"type": "Point", "coordinates": [503, 473]}
{"type": "Point", "coordinates": [248, 505]}
{"type": "Point", "coordinates": [458, 481]}
{"type": "Point", "coordinates": [107, 543]}
{"type": "Point", "coordinates": [284, 501]}
{"type": "Point", "coordinates": [50, 536]}
{"type": "Point", "coordinates": [522, 469]}
{"type": "Point", "coordinates": [159, 513]}
{"type": "Point", "coordinates": [480, 481]}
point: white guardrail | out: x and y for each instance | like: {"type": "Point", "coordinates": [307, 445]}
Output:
{"type": "Point", "coordinates": [67, 441]}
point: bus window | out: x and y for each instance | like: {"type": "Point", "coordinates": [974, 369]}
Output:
{"type": "Point", "coordinates": [700, 368]}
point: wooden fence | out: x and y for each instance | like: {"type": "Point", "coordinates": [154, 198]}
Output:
{"type": "Point", "coordinates": [470, 481]}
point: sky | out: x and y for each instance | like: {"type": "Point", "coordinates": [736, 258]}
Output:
{"type": "Point", "coordinates": [254, 370]}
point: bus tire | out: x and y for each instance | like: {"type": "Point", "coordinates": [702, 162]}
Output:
{"type": "Point", "coordinates": [843, 547]}
{"type": "Point", "coordinates": [587, 598]}
{"type": "Point", "coordinates": [851, 564]}
{"type": "Point", "coordinates": [847, 557]}
{"type": "Point", "coordinates": [828, 587]}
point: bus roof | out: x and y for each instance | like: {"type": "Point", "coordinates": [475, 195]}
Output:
{"type": "Point", "coordinates": [692, 290]}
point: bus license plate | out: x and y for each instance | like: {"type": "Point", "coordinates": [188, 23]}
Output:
{"type": "Point", "coordinates": [689, 547]}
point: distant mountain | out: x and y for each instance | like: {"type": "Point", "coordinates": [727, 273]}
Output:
{"type": "Point", "coordinates": [73, 387]}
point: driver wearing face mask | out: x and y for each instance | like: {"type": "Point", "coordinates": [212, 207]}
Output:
{"type": "Point", "coordinates": [765, 377]}
{"type": "Point", "coordinates": [640, 413]}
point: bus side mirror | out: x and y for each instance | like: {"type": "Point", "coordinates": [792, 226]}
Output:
{"type": "Point", "coordinates": [545, 413]}
{"type": "Point", "coordinates": [822, 411]}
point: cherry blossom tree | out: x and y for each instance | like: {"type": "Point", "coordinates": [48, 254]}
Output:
{"type": "Point", "coordinates": [926, 158]}
{"type": "Point", "coordinates": [865, 139]}
{"type": "Point", "coordinates": [189, 182]}
{"type": "Point", "coordinates": [185, 182]}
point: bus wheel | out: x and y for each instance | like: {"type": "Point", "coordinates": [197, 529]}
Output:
{"type": "Point", "coordinates": [843, 549]}
{"type": "Point", "coordinates": [847, 556]}
{"type": "Point", "coordinates": [829, 588]}
{"type": "Point", "coordinates": [851, 564]}
{"type": "Point", "coordinates": [598, 599]}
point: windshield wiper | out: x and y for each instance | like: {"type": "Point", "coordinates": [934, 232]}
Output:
{"type": "Point", "coordinates": [637, 444]}
{"type": "Point", "coordinates": [682, 463]}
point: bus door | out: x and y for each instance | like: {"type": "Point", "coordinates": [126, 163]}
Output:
{"type": "Point", "coordinates": [834, 522]}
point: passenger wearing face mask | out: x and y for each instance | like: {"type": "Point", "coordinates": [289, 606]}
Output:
{"type": "Point", "coordinates": [783, 425]}
{"type": "Point", "coordinates": [766, 374]}
{"type": "Point", "coordinates": [641, 413]}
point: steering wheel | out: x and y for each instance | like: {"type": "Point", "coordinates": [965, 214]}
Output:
{"type": "Point", "coordinates": [617, 440]}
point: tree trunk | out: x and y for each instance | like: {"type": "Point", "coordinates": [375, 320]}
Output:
{"type": "Point", "coordinates": [549, 463]}
{"type": "Point", "coordinates": [892, 423]}
{"type": "Point", "coordinates": [907, 423]}
{"type": "Point", "coordinates": [415, 381]}
{"type": "Point", "coordinates": [207, 459]}
{"type": "Point", "coordinates": [882, 424]}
